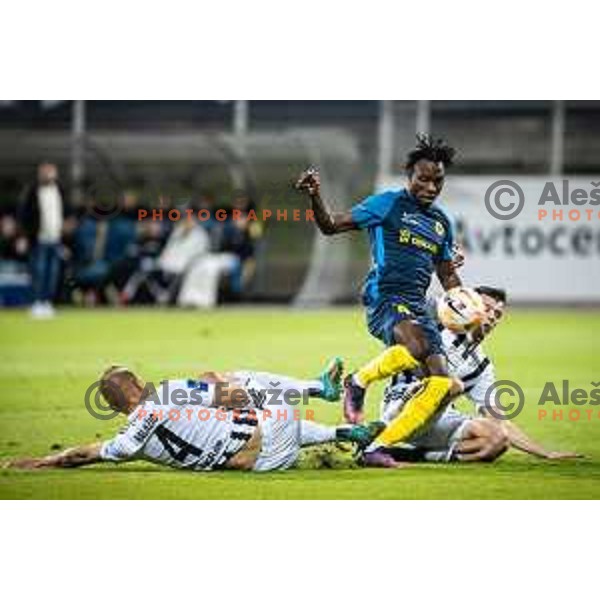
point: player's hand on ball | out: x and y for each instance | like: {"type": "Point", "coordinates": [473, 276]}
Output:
{"type": "Point", "coordinates": [309, 181]}
{"type": "Point", "coordinates": [458, 256]}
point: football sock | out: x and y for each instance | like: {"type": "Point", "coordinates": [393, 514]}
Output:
{"type": "Point", "coordinates": [285, 383]}
{"type": "Point", "coordinates": [312, 387]}
{"type": "Point", "coordinates": [392, 360]}
{"type": "Point", "coordinates": [312, 433]}
{"type": "Point", "coordinates": [437, 456]}
{"type": "Point", "coordinates": [416, 413]}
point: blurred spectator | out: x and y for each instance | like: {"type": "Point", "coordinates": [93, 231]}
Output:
{"type": "Point", "coordinates": [129, 205]}
{"type": "Point", "coordinates": [41, 217]}
{"type": "Point", "coordinates": [138, 277]}
{"type": "Point", "coordinates": [98, 246]}
{"type": "Point", "coordinates": [228, 256]}
{"type": "Point", "coordinates": [15, 282]}
{"type": "Point", "coordinates": [207, 202]}
{"type": "Point", "coordinates": [186, 258]}
{"type": "Point", "coordinates": [187, 271]}
{"type": "Point", "coordinates": [121, 260]}
{"type": "Point", "coordinates": [240, 237]}
{"type": "Point", "coordinates": [12, 248]}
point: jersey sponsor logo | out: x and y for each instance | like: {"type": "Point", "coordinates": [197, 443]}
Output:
{"type": "Point", "coordinates": [144, 428]}
{"type": "Point", "coordinates": [410, 239]}
{"type": "Point", "coordinates": [423, 244]}
{"type": "Point", "coordinates": [142, 425]}
{"type": "Point", "coordinates": [197, 384]}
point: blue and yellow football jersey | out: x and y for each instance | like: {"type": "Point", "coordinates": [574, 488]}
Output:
{"type": "Point", "coordinates": [407, 240]}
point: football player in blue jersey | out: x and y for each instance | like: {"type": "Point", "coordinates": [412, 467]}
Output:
{"type": "Point", "coordinates": [410, 239]}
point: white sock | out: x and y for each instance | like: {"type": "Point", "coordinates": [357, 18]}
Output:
{"type": "Point", "coordinates": [437, 456]}
{"type": "Point", "coordinates": [373, 446]}
{"type": "Point", "coordinates": [285, 383]}
{"type": "Point", "coordinates": [312, 433]}
{"type": "Point", "coordinates": [310, 386]}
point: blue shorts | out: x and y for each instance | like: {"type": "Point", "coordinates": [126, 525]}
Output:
{"type": "Point", "coordinates": [383, 315]}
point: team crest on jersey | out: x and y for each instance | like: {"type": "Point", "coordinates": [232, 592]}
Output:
{"type": "Point", "coordinates": [439, 229]}
{"type": "Point", "coordinates": [402, 309]}
{"type": "Point", "coordinates": [404, 236]}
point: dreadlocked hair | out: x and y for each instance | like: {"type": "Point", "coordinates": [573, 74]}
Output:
{"type": "Point", "coordinates": [428, 148]}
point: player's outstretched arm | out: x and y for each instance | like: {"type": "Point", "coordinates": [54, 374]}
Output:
{"type": "Point", "coordinates": [519, 440]}
{"type": "Point", "coordinates": [328, 223]}
{"type": "Point", "coordinates": [73, 457]}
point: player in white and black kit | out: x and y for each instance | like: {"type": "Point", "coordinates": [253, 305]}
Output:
{"type": "Point", "coordinates": [208, 423]}
{"type": "Point", "coordinates": [455, 435]}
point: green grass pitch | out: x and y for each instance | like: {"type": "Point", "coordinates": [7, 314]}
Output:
{"type": "Point", "coordinates": [45, 368]}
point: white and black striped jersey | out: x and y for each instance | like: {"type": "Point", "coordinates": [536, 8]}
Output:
{"type": "Point", "coordinates": [181, 432]}
{"type": "Point", "coordinates": [466, 361]}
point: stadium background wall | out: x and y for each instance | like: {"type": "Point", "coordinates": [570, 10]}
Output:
{"type": "Point", "coordinates": [185, 148]}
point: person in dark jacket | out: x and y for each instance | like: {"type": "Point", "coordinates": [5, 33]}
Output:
{"type": "Point", "coordinates": [41, 218]}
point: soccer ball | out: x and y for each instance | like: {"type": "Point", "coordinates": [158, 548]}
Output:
{"type": "Point", "coordinates": [461, 309]}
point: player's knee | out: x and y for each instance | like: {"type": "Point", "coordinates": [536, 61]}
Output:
{"type": "Point", "coordinates": [436, 365]}
{"type": "Point", "coordinates": [497, 433]}
{"type": "Point", "coordinates": [418, 348]}
{"type": "Point", "coordinates": [497, 444]}
{"type": "Point", "coordinates": [501, 441]}
{"type": "Point", "coordinates": [411, 340]}
{"type": "Point", "coordinates": [456, 387]}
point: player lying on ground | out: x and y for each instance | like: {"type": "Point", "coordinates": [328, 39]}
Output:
{"type": "Point", "coordinates": [262, 387]}
{"type": "Point", "coordinates": [410, 238]}
{"type": "Point", "coordinates": [454, 435]}
{"type": "Point", "coordinates": [168, 428]}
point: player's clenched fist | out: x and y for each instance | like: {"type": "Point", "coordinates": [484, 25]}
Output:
{"type": "Point", "coordinates": [309, 181]}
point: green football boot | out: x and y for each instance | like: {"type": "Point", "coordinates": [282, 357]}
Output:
{"type": "Point", "coordinates": [361, 435]}
{"type": "Point", "coordinates": [331, 380]}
